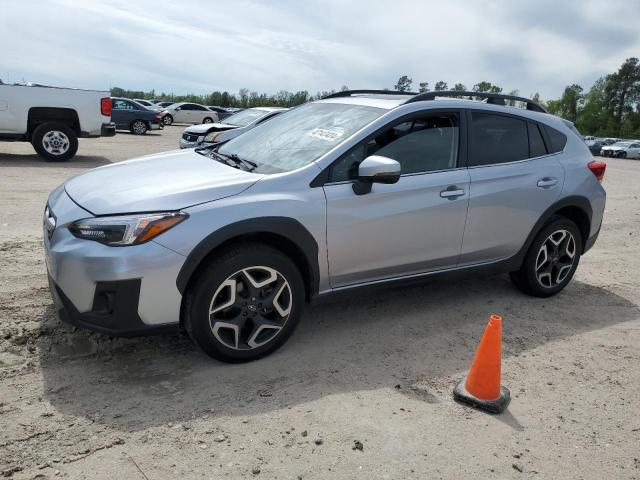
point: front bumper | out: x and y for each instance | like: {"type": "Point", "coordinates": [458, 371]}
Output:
{"type": "Point", "coordinates": [116, 290]}
{"type": "Point", "coordinates": [191, 143]}
{"type": "Point", "coordinates": [114, 311]}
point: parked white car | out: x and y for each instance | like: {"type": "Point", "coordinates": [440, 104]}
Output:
{"type": "Point", "coordinates": [185, 112]}
{"type": "Point", "coordinates": [628, 149]}
{"type": "Point", "coordinates": [52, 118]}
{"type": "Point", "coordinates": [228, 128]}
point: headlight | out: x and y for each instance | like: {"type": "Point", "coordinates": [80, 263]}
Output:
{"type": "Point", "coordinates": [212, 137]}
{"type": "Point", "coordinates": [126, 229]}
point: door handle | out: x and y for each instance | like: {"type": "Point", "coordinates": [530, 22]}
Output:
{"type": "Point", "coordinates": [547, 182]}
{"type": "Point", "coordinates": [452, 192]}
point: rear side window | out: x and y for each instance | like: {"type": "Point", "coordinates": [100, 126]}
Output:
{"type": "Point", "coordinates": [497, 139]}
{"type": "Point", "coordinates": [557, 140]}
{"type": "Point", "coordinates": [537, 147]}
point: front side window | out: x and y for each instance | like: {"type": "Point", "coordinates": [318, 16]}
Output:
{"type": "Point", "coordinates": [497, 139]}
{"type": "Point", "coordinates": [423, 144]}
{"type": "Point", "coordinates": [299, 136]}
{"type": "Point", "coordinates": [122, 105]}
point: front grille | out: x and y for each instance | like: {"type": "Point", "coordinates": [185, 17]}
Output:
{"type": "Point", "coordinates": [49, 222]}
{"type": "Point", "coordinates": [189, 137]}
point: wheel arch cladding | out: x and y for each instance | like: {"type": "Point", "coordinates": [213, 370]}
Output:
{"type": "Point", "coordinates": [284, 234]}
{"type": "Point", "coordinates": [576, 208]}
{"type": "Point", "coordinates": [40, 115]}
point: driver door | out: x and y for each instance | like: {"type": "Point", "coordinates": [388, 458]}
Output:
{"type": "Point", "coordinates": [413, 226]}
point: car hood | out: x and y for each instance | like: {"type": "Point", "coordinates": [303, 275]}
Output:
{"type": "Point", "coordinates": [168, 181]}
{"type": "Point", "coordinates": [209, 127]}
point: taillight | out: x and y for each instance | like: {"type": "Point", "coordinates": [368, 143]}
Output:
{"type": "Point", "coordinates": [105, 106]}
{"type": "Point", "coordinates": [598, 169]}
{"type": "Point", "coordinates": [158, 116]}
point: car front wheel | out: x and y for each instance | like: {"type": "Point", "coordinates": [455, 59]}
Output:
{"type": "Point", "coordinates": [207, 120]}
{"type": "Point", "coordinates": [551, 260]}
{"type": "Point", "coordinates": [245, 303]}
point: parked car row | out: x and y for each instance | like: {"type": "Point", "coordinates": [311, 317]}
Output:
{"type": "Point", "coordinates": [622, 149]}
{"type": "Point", "coordinates": [613, 147]}
{"type": "Point", "coordinates": [208, 134]}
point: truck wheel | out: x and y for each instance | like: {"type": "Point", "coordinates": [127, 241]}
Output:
{"type": "Point", "coordinates": [54, 141]}
{"type": "Point", "coordinates": [138, 127]}
{"type": "Point", "coordinates": [167, 119]}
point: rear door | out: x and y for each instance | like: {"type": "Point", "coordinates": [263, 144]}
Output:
{"type": "Point", "coordinates": [515, 176]}
{"type": "Point", "coordinates": [412, 226]}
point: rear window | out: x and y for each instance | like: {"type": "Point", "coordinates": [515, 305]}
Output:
{"type": "Point", "coordinates": [557, 140]}
{"type": "Point", "coordinates": [497, 139]}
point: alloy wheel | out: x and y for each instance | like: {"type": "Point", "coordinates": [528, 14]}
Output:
{"type": "Point", "coordinates": [555, 258]}
{"type": "Point", "coordinates": [139, 127]}
{"type": "Point", "coordinates": [55, 142]}
{"type": "Point", "coordinates": [250, 308]}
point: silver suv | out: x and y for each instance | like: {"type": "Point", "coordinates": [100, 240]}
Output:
{"type": "Point", "coordinates": [360, 188]}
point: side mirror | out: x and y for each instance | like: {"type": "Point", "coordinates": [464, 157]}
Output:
{"type": "Point", "coordinates": [376, 169]}
{"type": "Point", "coordinates": [178, 109]}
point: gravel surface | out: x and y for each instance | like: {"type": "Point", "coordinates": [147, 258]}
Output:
{"type": "Point", "coordinates": [361, 391]}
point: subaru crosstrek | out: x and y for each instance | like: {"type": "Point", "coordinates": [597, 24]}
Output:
{"type": "Point", "coordinates": [360, 188]}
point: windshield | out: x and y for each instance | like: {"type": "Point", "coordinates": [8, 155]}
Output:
{"type": "Point", "coordinates": [245, 117]}
{"type": "Point", "coordinates": [300, 136]}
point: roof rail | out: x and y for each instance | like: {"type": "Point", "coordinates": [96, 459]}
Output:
{"type": "Point", "coordinates": [348, 93]}
{"type": "Point", "coordinates": [493, 98]}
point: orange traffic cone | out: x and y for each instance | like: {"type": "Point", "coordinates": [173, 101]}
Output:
{"type": "Point", "coordinates": [481, 388]}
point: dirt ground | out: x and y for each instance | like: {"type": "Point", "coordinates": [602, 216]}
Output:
{"type": "Point", "coordinates": [377, 368]}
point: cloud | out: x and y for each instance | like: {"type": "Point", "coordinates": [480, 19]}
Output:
{"type": "Point", "coordinates": [201, 46]}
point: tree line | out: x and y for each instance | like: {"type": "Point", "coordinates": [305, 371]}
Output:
{"type": "Point", "coordinates": [608, 109]}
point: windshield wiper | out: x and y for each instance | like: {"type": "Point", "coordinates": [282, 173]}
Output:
{"type": "Point", "coordinates": [248, 164]}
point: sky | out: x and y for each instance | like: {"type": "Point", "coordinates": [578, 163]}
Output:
{"type": "Point", "coordinates": [201, 46]}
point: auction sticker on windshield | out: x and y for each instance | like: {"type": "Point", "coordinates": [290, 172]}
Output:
{"type": "Point", "coordinates": [327, 134]}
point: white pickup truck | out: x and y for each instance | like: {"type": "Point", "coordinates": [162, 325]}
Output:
{"type": "Point", "coordinates": [53, 118]}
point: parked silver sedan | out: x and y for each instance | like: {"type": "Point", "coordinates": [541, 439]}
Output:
{"type": "Point", "coordinates": [626, 149]}
{"type": "Point", "coordinates": [232, 126]}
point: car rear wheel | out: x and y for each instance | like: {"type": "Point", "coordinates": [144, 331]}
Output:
{"type": "Point", "coordinates": [138, 127]}
{"type": "Point", "coordinates": [551, 260]}
{"type": "Point", "coordinates": [207, 120]}
{"type": "Point", "coordinates": [167, 119]}
{"type": "Point", "coordinates": [55, 142]}
{"type": "Point", "coordinates": [245, 303]}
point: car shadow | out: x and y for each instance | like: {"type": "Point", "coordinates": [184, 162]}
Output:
{"type": "Point", "coordinates": [34, 160]}
{"type": "Point", "coordinates": [416, 340]}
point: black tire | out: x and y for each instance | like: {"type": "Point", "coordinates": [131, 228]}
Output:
{"type": "Point", "coordinates": [623, 154]}
{"type": "Point", "coordinates": [138, 127]}
{"type": "Point", "coordinates": [202, 294]}
{"type": "Point", "coordinates": [55, 141]}
{"type": "Point", "coordinates": [207, 120]}
{"type": "Point", "coordinates": [167, 119]}
{"type": "Point", "coordinates": [527, 279]}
